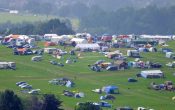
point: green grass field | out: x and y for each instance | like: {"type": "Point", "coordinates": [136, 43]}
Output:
{"type": "Point", "coordinates": [131, 94]}
{"type": "Point", "coordinates": [19, 18]}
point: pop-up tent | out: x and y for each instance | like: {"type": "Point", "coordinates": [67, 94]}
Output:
{"type": "Point", "coordinates": [79, 41]}
{"type": "Point", "coordinates": [110, 89]}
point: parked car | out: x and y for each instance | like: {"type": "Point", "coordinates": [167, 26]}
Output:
{"type": "Point", "coordinates": [132, 80]}
{"type": "Point", "coordinates": [124, 108]}
{"type": "Point", "coordinates": [36, 58]}
{"type": "Point", "coordinates": [105, 104]}
{"type": "Point", "coordinates": [112, 68]}
{"type": "Point", "coordinates": [156, 65]}
{"type": "Point", "coordinates": [34, 91]}
{"type": "Point", "coordinates": [26, 87]}
{"type": "Point", "coordinates": [62, 52]}
{"type": "Point", "coordinates": [23, 84]}
{"type": "Point", "coordinates": [60, 64]}
{"type": "Point", "coordinates": [53, 62]}
{"type": "Point", "coordinates": [171, 64]}
{"type": "Point", "coordinates": [141, 108]}
{"type": "Point", "coordinates": [28, 52]}
{"type": "Point", "coordinates": [19, 83]}
{"type": "Point", "coordinates": [95, 68]}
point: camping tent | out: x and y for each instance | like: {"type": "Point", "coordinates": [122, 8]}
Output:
{"type": "Point", "coordinates": [56, 39]}
{"type": "Point", "coordinates": [69, 84]}
{"type": "Point", "coordinates": [152, 74]}
{"type": "Point", "coordinates": [79, 41]}
{"type": "Point", "coordinates": [87, 46]}
{"type": "Point", "coordinates": [110, 89]}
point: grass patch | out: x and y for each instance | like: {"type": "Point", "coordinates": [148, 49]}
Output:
{"type": "Point", "coordinates": [131, 94]}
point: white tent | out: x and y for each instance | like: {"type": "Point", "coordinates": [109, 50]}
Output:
{"type": "Point", "coordinates": [87, 46]}
{"type": "Point", "coordinates": [79, 40]}
{"type": "Point", "coordinates": [159, 37]}
{"type": "Point", "coordinates": [69, 84]}
{"type": "Point", "coordinates": [23, 37]}
{"type": "Point", "coordinates": [59, 38]}
{"type": "Point", "coordinates": [152, 74]}
{"type": "Point", "coordinates": [56, 39]}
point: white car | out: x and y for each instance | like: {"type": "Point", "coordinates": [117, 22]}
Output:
{"type": "Point", "coordinates": [19, 83]}
{"type": "Point", "coordinates": [34, 91]}
{"type": "Point", "coordinates": [141, 108]}
{"type": "Point", "coordinates": [23, 84]}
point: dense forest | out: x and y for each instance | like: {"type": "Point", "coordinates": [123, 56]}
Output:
{"type": "Point", "coordinates": [149, 20]}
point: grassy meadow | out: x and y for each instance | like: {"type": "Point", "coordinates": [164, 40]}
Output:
{"type": "Point", "coordinates": [131, 94]}
{"type": "Point", "coordinates": [19, 18]}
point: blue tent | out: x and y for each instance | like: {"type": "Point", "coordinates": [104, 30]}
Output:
{"type": "Point", "coordinates": [111, 89]}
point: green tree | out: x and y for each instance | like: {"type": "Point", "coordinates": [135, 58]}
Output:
{"type": "Point", "coordinates": [51, 26]}
{"type": "Point", "coordinates": [50, 102]}
{"type": "Point", "coordinates": [87, 106]}
{"type": "Point", "coordinates": [10, 101]}
{"type": "Point", "coordinates": [33, 103]}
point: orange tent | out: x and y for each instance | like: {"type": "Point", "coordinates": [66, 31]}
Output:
{"type": "Point", "coordinates": [21, 49]}
{"type": "Point", "coordinates": [46, 44]}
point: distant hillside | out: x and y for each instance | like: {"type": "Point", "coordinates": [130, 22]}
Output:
{"type": "Point", "coordinates": [98, 16]}
{"type": "Point", "coordinates": [53, 6]}
{"type": "Point", "coordinates": [18, 18]}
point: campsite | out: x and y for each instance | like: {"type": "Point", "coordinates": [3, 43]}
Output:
{"type": "Point", "coordinates": [38, 73]}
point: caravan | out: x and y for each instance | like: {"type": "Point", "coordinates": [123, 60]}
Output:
{"type": "Point", "coordinates": [152, 74]}
{"type": "Point", "coordinates": [7, 65]}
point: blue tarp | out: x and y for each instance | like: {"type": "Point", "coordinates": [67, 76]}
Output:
{"type": "Point", "coordinates": [110, 89]}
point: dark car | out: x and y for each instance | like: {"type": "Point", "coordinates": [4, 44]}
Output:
{"type": "Point", "coordinates": [156, 65]}
{"type": "Point", "coordinates": [60, 64]}
{"type": "Point", "coordinates": [112, 68]}
{"type": "Point", "coordinates": [95, 68]}
{"type": "Point", "coordinates": [53, 62]}
{"type": "Point", "coordinates": [105, 104]}
{"type": "Point", "coordinates": [132, 80]}
{"type": "Point", "coordinates": [124, 108]}
{"type": "Point", "coordinates": [28, 52]}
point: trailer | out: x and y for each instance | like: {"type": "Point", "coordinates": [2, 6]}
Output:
{"type": "Point", "coordinates": [7, 65]}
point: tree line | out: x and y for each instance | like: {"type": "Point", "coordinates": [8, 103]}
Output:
{"type": "Point", "coordinates": [42, 27]}
{"type": "Point", "coordinates": [10, 101]}
{"type": "Point", "coordinates": [95, 20]}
